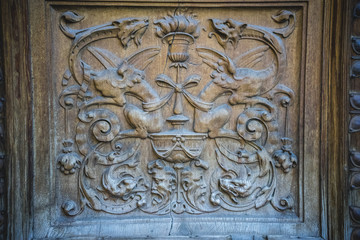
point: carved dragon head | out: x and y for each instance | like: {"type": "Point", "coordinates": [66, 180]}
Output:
{"type": "Point", "coordinates": [121, 186]}
{"type": "Point", "coordinates": [131, 28]}
{"type": "Point", "coordinates": [227, 30]}
{"type": "Point", "coordinates": [239, 184]}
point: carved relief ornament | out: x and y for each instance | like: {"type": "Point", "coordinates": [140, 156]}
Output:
{"type": "Point", "coordinates": [133, 155]}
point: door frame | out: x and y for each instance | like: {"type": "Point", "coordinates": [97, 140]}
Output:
{"type": "Point", "coordinates": [16, 64]}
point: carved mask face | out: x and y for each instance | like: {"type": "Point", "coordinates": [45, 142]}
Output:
{"type": "Point", "coordinates": [163, 184]}
{"type": "Point", "coordinates": [194, 184]}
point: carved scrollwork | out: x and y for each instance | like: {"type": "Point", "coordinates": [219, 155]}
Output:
{"type": "Point", "coordinates": [282, 204]}
{"type": "Point", "coordinates": [101, 124]}
{"type": "Point", "coordinates": [215, 150]}
{"type": "Point", "coordinates": [238, 190]}
{"type": "Point", "coordinates": [71, 208]}
{"type": "Point", "coordinates": [256, 124]}
{"type": "Point", "coordinates": [122, 186]}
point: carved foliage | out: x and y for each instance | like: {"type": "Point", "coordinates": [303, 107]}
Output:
{"type": "Point", "coordinates": [115, 173]}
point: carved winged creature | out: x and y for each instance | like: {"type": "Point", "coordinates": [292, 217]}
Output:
{"type": "Point", "coordinates": [125, 29]}
{"type": "Point", "coordinates": [240, 79]}
{"type": "Point", "coordinates": [126, 77]}
{"type": "Point", "coordinates": [236, 77]}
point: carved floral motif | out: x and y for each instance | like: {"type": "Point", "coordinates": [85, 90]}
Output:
{"type": "Point", "coordinates": [285, 158]}
{"type": "Point", "coordinates": [116, 175]}
{"type": "Point", "coordinates": [68, 161]}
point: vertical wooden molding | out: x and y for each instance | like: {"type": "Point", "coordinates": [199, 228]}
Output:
{"type": "Point", "coordinates": [353, 57]}
{"type": "Point", "coordinates": [335, 75]}
{"type": "Point", "coordinates": [3, 215]}
{"type": "Point", "coordinates": [18, 89]}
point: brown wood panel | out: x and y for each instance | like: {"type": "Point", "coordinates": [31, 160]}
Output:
{"type": "Point", "coordinates": [20, 114]}
{"type": "Point", "coordinates": [335, 74]}
{"type": "Point", "coordinates": [19, 118]}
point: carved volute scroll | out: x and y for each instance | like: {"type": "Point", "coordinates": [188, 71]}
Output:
{"type": "Point", "coordinates": [179, 113]}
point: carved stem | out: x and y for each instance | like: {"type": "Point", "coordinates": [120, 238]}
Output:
{"type": "Point", "coordinates": [178, 167]}
{"type": "Point", "coordinates": [178, 107]}
{"type": "Point", "coordinates": [286, 120]}
{"type": "Point", "coordinates": [66, 124]}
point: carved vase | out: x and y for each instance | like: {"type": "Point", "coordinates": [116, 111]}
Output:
{"type": "Point", "coordinates": [178, 45]}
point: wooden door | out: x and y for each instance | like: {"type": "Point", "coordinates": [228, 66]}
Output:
{"type": "Point", "coordinates": [167, 119]}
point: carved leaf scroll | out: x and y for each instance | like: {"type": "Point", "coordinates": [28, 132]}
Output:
{"type": "Point", "coordinates": [135, 157]}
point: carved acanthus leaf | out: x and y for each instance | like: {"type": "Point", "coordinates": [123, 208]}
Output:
{"type": "Point", "coordinates": [203, 156]}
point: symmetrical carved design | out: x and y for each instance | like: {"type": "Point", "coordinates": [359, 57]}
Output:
{"type": "Point", "coordinates": [136, 156]}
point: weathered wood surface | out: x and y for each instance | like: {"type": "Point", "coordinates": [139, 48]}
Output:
{"type": "Point", "coordinates": [19, 118]}
{"type": "Point", "coordinates": [352, 62]}
{"type": "Point", "coordinates": [334, 99]}
{"type": "Point", "coordinates": [3, 217]}
{"type": "Point", "coordinates": [32, 101]}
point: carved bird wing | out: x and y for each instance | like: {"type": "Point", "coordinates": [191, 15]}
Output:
{"type": "Point", "coordinates": [140, 59]}
{"type": "Point", "coordinates": [252, 57]}
{"type": "Point", "coordinates": [106, 58]}
{"type": "Point", "coordinates": [243, 80]}
{"type": "Point", "coordinates": [143, 58]}
{"type": "Point", "coordinates": [216, 59]}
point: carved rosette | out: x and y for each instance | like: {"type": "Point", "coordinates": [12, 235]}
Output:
{"type": "Point", "coordinates": [128, 156]}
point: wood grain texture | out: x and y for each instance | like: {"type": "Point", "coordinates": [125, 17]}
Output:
{"type": "Point", "coordinates": [15, 26]}
{"type": "Point", "coordinates": [335, 49]}
{"type": "Point", "coordinates": [3, 217]}
{"type": "Point", "coordinates": [20, 113]}
{"type": "Point", "coordinates": [353, 144]}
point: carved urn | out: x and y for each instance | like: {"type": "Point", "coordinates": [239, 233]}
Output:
{"type": "Point", "coordinates": [178, 46]}
{"type": "Point", "coordinates": [179, 31]}
{"type": "Point", "coordinates": [178, 145]}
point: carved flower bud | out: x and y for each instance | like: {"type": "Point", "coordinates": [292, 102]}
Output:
{"type": "Point", "coordinates": [285, 158]}
{"type": "Point", "coordinates": [68, 161]}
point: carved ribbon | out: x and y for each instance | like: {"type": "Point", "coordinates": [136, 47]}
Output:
{"type": "Point", "coordinates": [164, 81]}
{"type": "Point", "coordinates": [178, 144]}
{"type": "Point", "coordinates": [152, 106]}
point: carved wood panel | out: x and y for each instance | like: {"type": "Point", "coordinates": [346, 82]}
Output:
{"type": "Point", "coordinates": [182, 118]}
